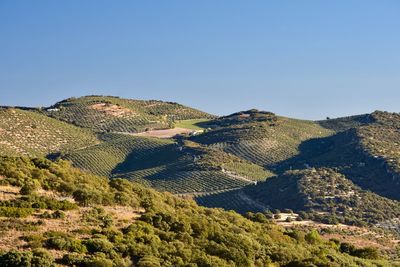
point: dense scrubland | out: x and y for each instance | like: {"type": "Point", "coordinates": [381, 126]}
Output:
{"type": "Point", "coordinates": [94, 221]}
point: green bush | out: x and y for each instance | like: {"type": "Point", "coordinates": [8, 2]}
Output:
{"type": "Point", "coordinates": [63, 242]}
{"type": "Point", "coordinates": [36, 258]}
{"type": "Point", "coordinates": [14, 212]}
{"type": "Point", "coordinates": [313, 237]}
{"type": "Point", "coordinates": [149, 261]}
{"type": "Point", "coordinates": [42, 258]}
{"type": "Point", "coordinates": [99, 245]}
{"type": "Point", "coordinates": [366, 253]}
{"type": "Point", "coordinates": [87, 197]}
{"type": "Point", "coordinates": [58, 214]}
{"type": "Point", "coordinates": [29, 187]}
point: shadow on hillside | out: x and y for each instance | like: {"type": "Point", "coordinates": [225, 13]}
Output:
{"type": "Point", "coordinates": [155, 164]}
{"type": "Point", "coordinates": [343, 152]}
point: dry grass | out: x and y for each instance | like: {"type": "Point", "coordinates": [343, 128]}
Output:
{"type": "Point", "coordinates": [8, 192]}
{"type": "Point", "coordinates": [357, 236]}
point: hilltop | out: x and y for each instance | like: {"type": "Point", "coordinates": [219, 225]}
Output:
{"type": "Point", "coordinates": [114, 114]}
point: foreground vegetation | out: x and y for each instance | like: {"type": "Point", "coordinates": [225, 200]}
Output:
{"type": "Point", "coordinates": [167, 231]}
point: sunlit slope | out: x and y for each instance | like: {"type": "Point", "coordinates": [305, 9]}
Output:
{"type": "Point", "coordinates": [164, 164]}
{"type": "Point", "coordinates": [262, 138]}
{"type": "Point", "coordinates": [113, 114]}
{"type": "Point", "coordinates": [367, 154]}
{"type": "Point", "coordinates": [25, 132]}
{"type": "Point", "coordinates": [345, 123]}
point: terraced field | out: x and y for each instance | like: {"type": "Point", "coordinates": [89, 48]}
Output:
{"type": "Point", "coordinates": [366, 154]}
{"type": "Point", "coordinates": [261, 143]}
{"type": "Point", "coordinates": [25, 132]}
{"type": "Point", "coordinates": [102, 159]}
{"type": "Point", "coordinates": [166, 165]}
{"type": "Point", "coordinates": [122, 115]}
{"type": "Point", "coordinates": [235, 200]}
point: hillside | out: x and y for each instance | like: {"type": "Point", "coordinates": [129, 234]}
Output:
{"type": "Point", "coordinates": [52, 213]}
{"type": "Point", "coordinates": [260, 137]}
{"type": "Point", "coordinates": [326, 196]}
{"type": "Point", "coordinates": [114, 114]}
{"type": "Point", "coordinates": [165, 164]}
{"type": "Point", "coordinates": [24, 132]}
{"type": "Point", "coordinates": [367, 155]}
{"type": "Point", "coordinates": [364, 157]}
{"type": "Point", "coordinates": [346, 123]}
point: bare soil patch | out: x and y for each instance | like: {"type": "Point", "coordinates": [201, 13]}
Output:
{"type": "Point", "coordinates": [113, 110]}
{"type": "Point", "coordinates": [167, 133]}
{"type": "Point", "coordinates": [8, 192]}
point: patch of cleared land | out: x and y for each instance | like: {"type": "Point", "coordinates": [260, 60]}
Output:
{"type": "Point", "coordinates": [167, 133]}
{"type": "Point", "coordinates": [113, 110]}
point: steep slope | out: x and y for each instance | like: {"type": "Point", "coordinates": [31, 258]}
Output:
{"type": "Point", "coordinates": [368, 154]}
{"type": "Point", "coordinates": [103, 158]}
{"type": "Point", "coordinates": [260, 137]}
{"type": "Point", "coordinates": [24, 132]}
{"type": "Point", "coordinates": [76, 219]}
{"type": "Point", "coordinates": [113, 114]}
{"type": "Point", "coordinates": [184, 167]}
{"type": "Point", "coordinates": [346, 123]}
{"type": "Point", "coordinates": [325, 195]}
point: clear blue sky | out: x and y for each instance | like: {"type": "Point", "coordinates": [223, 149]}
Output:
{"type": "Point", "coordinates": [307, 59]}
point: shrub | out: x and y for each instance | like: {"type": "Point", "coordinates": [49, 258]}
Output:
{"type": "Point", "coordinates": [367, 253]}
{"type": "Point", "coordinates": [14, 212]}
{"type": "Point", "coordinates": [289, 219]}
{"type": "Point", "coordinates": [96, 261]}
{"type": "Point", "coordinates": [148, 261]}
{"type": "Point", "coordinates": [121, 185]}
{"type": "Point", "coordinates": [42, 258]}
{"type": "Point", "coordinates": [72, 259]}
{"type": "Point", "coordinates": [86, 197]}
{"type": "Point", "coordinates": [66, 243]}
{"type": "Point", "coordinates": [276, 211]}
{"type": "Point", "coordinates": [288, 211]}
{"type": "Point", "coordinates": [313, 237]}
{"type": "Point", "coordinates": [99, 245]}
{"type": "Point", "coordinates": [16, 259]}
{"type": "Point", "coordinates": [34, 241]}
{"type": "Point", "coordinates": [58, 214]}
{"type": "Point", "coordinates": [29, 187]}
